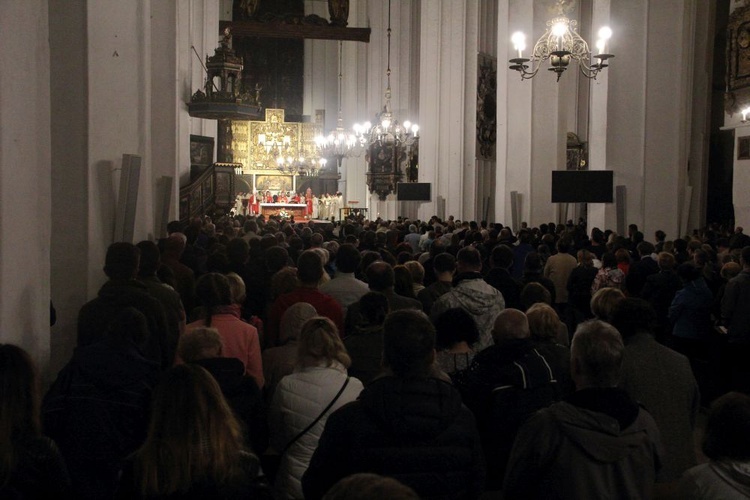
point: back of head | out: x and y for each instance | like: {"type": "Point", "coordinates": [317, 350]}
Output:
{"type": "Point", "coordinates": [444, 263]}
{"type": "Point", "coordinates": [585, 258]}
{"type": "Point", "coordinates": [366, 486]}
{"type": "Point", "coordinates": [544, 323]}
{"type": "Point", "coordinates": [510, 324]}
{"type": "Point", "coordinates": [193, 432]}
{"type": "Point", "coordinates": [374, 307]}
{"type": "Point", "coordinates": [535, 293]}
{"type": "Point", "coordinates": [533, 263]}
{"type": "Point", "coordinates": [502, 256]}
{"type": "Point", "coordinates": [688, 271]}
{"type": "Point", "coordinates": [604, 301]}
{"type": "Point", "coordinates": [149, 258]}
{"type": "Point", "coordinates": [408, 343]}
{"type": "Point", "coordinates": [469, 259]}
{"type": "Point", "coordinates": [276, 258]}
{"type": "Point", "coordinates": [174, 245]}
{"type": "Point", "coordinates": [632, 316]}
{"type": "Point", "coordinates": [320, 344]}
{"type": "Point", "coordinates": [416, 270]}
{"type": "Point", "coordinates": [453, 326]}
{"type": "Point", "coordinates": [730, 270]}
{"type": "Point", "coordinates": [666, 261]}
{"type": "Point", "coordinates": [212, 290]}
{"type": "Point", "coordinates": [121, 261]}
{"type": "Point", "coordinates": [237, 251]}
{"type": "Point", "coordinates": [128, 326]}
{"type": "Point", "coordinates": [609, 260]}
{"type": "Point", "coordinates": [727, 434]}
{"type": "Point", "coordinates": [293, 319]}
{"type": "Point", "coordinates": [199, 343]}
{"type": "Point", "coordinates": [380, 276]}
{"type": "Point", "coordinates": [596, 353]}
{"type": "Point", "coordinates": [347, 258]}
{"type": "Point", "coordinates": [645, 248]}
{"type": "Point", "coordinates": [236, 288]}
{"type": "Point", "coordinates": [309, 268]}
{"type": "Point", "coordinates": [745, 256]}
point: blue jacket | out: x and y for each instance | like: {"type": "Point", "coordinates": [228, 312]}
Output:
{"type": "Point", "coordinates": [690, 312]}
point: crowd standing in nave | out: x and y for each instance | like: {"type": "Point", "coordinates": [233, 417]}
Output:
{"type": "Point", "coordinates": [272, 358]}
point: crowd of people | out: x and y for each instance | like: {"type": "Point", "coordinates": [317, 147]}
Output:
{"type": "Point", "coordinates": [322, 207]}
{"type": "Point", "coordinates": [260, 358]}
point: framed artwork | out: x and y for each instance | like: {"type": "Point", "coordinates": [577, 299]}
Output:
{"type": "Point", "coordinates": [201, 151]}
{"type": "Point", "coordinates": [743, 148]}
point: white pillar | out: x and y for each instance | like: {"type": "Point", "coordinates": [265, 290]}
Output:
{"type": "Point", "coordinates": [448, 61]}
{"type": "Point", "coordinates": [25, 177]}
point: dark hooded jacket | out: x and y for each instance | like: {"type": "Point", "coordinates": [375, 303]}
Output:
{"type": "Point", "coordinates": [97, 412]}
{"type": "Point", "coordinates": [115, 296]}
{"type": "Point", "coordinates": [414, 430]}
{"type": "Point", "coordinates": [596, 444]}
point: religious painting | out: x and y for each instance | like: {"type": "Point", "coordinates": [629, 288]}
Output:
{"type": "Point", "coordinates": [738, 60]}
{"type": "Point", "coordinates": [273, 183]}
{"type": "Point", "coordinates": [486, 106]}
{"type": "Point", "coordinates": [743, 148]}
{"type": "Point", "coordinates": [201, 151]}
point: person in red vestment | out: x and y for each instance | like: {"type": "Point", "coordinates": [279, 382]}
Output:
{"type": "Point", "coordinates": [256, 205]}
{"type": "Point", "coordinates": [309, 203]}
{"type": "Point", "coordinates": [269, 198]}
{"type": "Point", "coordinates": [251, 204]}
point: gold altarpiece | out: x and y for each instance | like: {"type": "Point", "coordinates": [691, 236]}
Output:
{"type": "Point", "coordinates": [258, 145]}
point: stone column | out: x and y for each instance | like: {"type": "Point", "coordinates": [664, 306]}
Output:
{"type": "Point", "coordinates": [25, 189]}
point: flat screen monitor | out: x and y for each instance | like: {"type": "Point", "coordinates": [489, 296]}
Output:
{"type": "Point", "coordinates": [582, 186]}
{"type": "Point", "coordinates": [413, 191]}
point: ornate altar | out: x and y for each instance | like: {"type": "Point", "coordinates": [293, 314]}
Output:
{"type": "Point", "coordinates": [296, 210]}
{"type": "Point", "coordinates": [259, 145]}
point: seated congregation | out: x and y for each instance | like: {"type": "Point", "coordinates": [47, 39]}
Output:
{"type": "Point", "coordinates": [254, 358]}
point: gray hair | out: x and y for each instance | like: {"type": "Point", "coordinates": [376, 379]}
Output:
{"type": "Point", "coordinates": [598, 350]}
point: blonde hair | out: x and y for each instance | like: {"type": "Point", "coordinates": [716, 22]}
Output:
{"type": "Point", "coordinates": [193, 435]}
{"type": "Point", "coordinates": [199, 343]}
{"type": "Point", "coordinates": [544, 322]}
{"type": "Point", "coordinates": [237, 288]}
{"type": "Point", "coordinates": [416, 269]}
{"type": "Point", "coordinates": [604, 301]}
{"type": "Point", "coordinates": [319, 342]}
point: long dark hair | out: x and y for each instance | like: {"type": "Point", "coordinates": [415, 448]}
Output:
{"type": "Point", "coordinates": [193, 435]}
{"type": "Point", "coordinates": [213, 291]}
{"type": "Point", "coordinates": [19, 408]}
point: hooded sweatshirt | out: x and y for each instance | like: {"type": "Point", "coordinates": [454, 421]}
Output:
{"type": "Point", "coordinates": [719, 480]}
{"type": "Point", "coordinates": [472, 294]}
{"type": "Point", "coordinates": [596, 444]}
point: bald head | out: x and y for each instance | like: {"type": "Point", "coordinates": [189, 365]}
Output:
{"type": "Point", "coordinates": [510, 324]}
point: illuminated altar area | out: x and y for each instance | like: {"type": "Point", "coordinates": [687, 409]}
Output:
{"type": "Point", "coordinates": [273, 154]}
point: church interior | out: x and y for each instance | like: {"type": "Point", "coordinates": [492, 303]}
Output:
{"type": "Point", "coordinates": [90, 89]}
